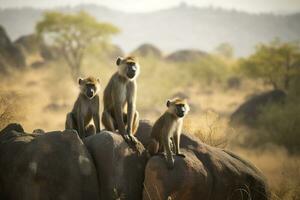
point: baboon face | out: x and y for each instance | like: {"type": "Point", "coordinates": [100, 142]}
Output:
{"type": "Point", "coordinates": [178, 107]}
{"type": "Point", "coordinates": [128, 67]}
{"type": "Point", "coordinates": [89, 86]}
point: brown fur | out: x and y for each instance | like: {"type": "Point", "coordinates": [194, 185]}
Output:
{"type": "Point", "coordinates": [166, 131]}
{"type": "Point", "coordinates": [85, 109]}
{"type": "Point", "coordinates": [119, 92]}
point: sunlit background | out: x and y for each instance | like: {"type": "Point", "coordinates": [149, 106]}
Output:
{"type": "Point", "coordinates": [236, 61]}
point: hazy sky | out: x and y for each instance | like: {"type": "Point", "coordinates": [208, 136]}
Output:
{"type": "Point", "coordinates": [281, 6]}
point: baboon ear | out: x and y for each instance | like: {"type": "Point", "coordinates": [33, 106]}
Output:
{"type": "Point", "coordinates": [119, 60]}
{"type": "Point", "coordinates": [80, 81]}
{"type": "Point", "coordinates": [98, 80]}
{"type": "Point", "coordinates": [168, 103]}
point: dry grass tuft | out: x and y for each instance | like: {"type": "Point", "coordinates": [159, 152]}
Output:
{"type": "Point", "coordinates": [10, 108]}
{"type": "Point", "coordinates": [209, 128]}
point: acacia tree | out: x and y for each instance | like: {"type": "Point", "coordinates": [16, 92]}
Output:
{"type": "Point", "coordinates": [72, 34]}
{"type": "Point", "coordinates": [277, 63]}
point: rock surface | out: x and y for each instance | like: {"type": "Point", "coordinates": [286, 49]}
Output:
{"type": "Point", "coordinates": [249, 111]}
{"type": "Point", "coordinates": [57, 165]}
{"type": "Point", "coordinates": [54, 165]}
{"type": "Point", "coordinates": [120, 168]}
{"type": "Point", "coordinates": [206, 172]}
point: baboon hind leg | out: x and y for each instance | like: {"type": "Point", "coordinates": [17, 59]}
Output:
{"type": "Point", "coordinates": [108, 121]}
{"type": "Point", "coordinates": [153, 147]}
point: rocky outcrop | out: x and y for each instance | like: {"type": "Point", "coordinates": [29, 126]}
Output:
{"type": "Point", "coordinates": [206, 172]}
{"type": "Point", "coordinates": [10, 54]}
{"type": "Point", "coordinates": [249, 111]}
{"type": "Point", "coordinates": [54, 165]}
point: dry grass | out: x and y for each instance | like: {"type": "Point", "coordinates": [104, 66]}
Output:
{"type": "Point", "coordinates": [10, 108]}
{"type": "Point", "coordinates": [281, 170]}
{"type": "Point", "coordinates": [209, 128]}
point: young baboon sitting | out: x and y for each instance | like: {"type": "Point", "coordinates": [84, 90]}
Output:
{"type": "Point", "coordinates": [119, 92]}
{"type": "Point", "coordinates": [166, 131]}
{"type": "Point", "coordinates": [86, 108]}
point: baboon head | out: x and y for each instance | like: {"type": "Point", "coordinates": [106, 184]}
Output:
{"type": "Point", "coordinates": [89, 86]}
{"type": "Point", "coordinates": [128, 67]}
{"type": "Point", "coordinates": [178, 107]}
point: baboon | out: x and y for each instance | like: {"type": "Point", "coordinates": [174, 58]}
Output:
{"type": "Point", "coordinates": [165, 135]}
{"type": "Point", "coordinates": [119, 92]}
{"type": "Point", "coordinates": [86, 108]}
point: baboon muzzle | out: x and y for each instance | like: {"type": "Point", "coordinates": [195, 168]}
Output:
{"type": "Point", "coordinates": [180, 110]}
{"type": "Point", "coordinates": [90, 93]}
{"type": "Point", "coordinates": [131, 71]}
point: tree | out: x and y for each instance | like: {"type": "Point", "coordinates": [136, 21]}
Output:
{"type": "Point", "coordinates": [277, 63]}
{"type": "Point", "coordinates": [225, 49]}
{"type": "Point", "coordinates": [72, 34]}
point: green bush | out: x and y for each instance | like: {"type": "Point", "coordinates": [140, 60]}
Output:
{"type": "Point", "coordinates": [280, 124]}
{"type": "Point", "coordinates": [208, 70]}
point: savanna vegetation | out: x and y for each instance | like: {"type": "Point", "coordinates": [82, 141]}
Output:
{"type": "Point", "coordinates": [215, 84]}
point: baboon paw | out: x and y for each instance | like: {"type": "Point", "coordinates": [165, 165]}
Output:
{"type": "Point", "coordinates": [127, 139]}
{"type": "Point", "coordinates": [133, 139]}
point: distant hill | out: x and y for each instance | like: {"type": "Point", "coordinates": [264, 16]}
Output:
{"type": "Point", "coordinates": [185, 55]}
{"type": "Point", "coordinates": [147, 50]}
{"type": "Point", "coordinates": [182, 27]}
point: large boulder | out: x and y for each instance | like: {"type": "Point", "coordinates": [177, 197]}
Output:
{"type": "Point", "coordinates": [249, 111]}
{"type": "Point", "coordinates": [185, 55]}
{"type": "Point", "coordinates": [54, 165]}
{"type": "Point", "coordinates": [206, 172]}
{"type": "Point", "coordinates": [120, 167]}
{"type": "Point", "coordinates": [147, 50]}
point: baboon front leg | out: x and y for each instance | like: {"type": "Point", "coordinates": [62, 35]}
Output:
{"type": "Point", "coordinates": [131, 131]}
{"type": "Point", "coordinates": [119, 119]}
{"type": "Point", "coordinates": [136, 121]}
{"type": "Point", "coordinates": [81, 127]}
{"type": "Point", "coordinates": [96, 119]}
{"type": "Point", "coordinates": [167, 148]}
{"type": "Point", "coordinates": [108, 121]}
{"type": "Point", "coordinates": [176, 140]}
